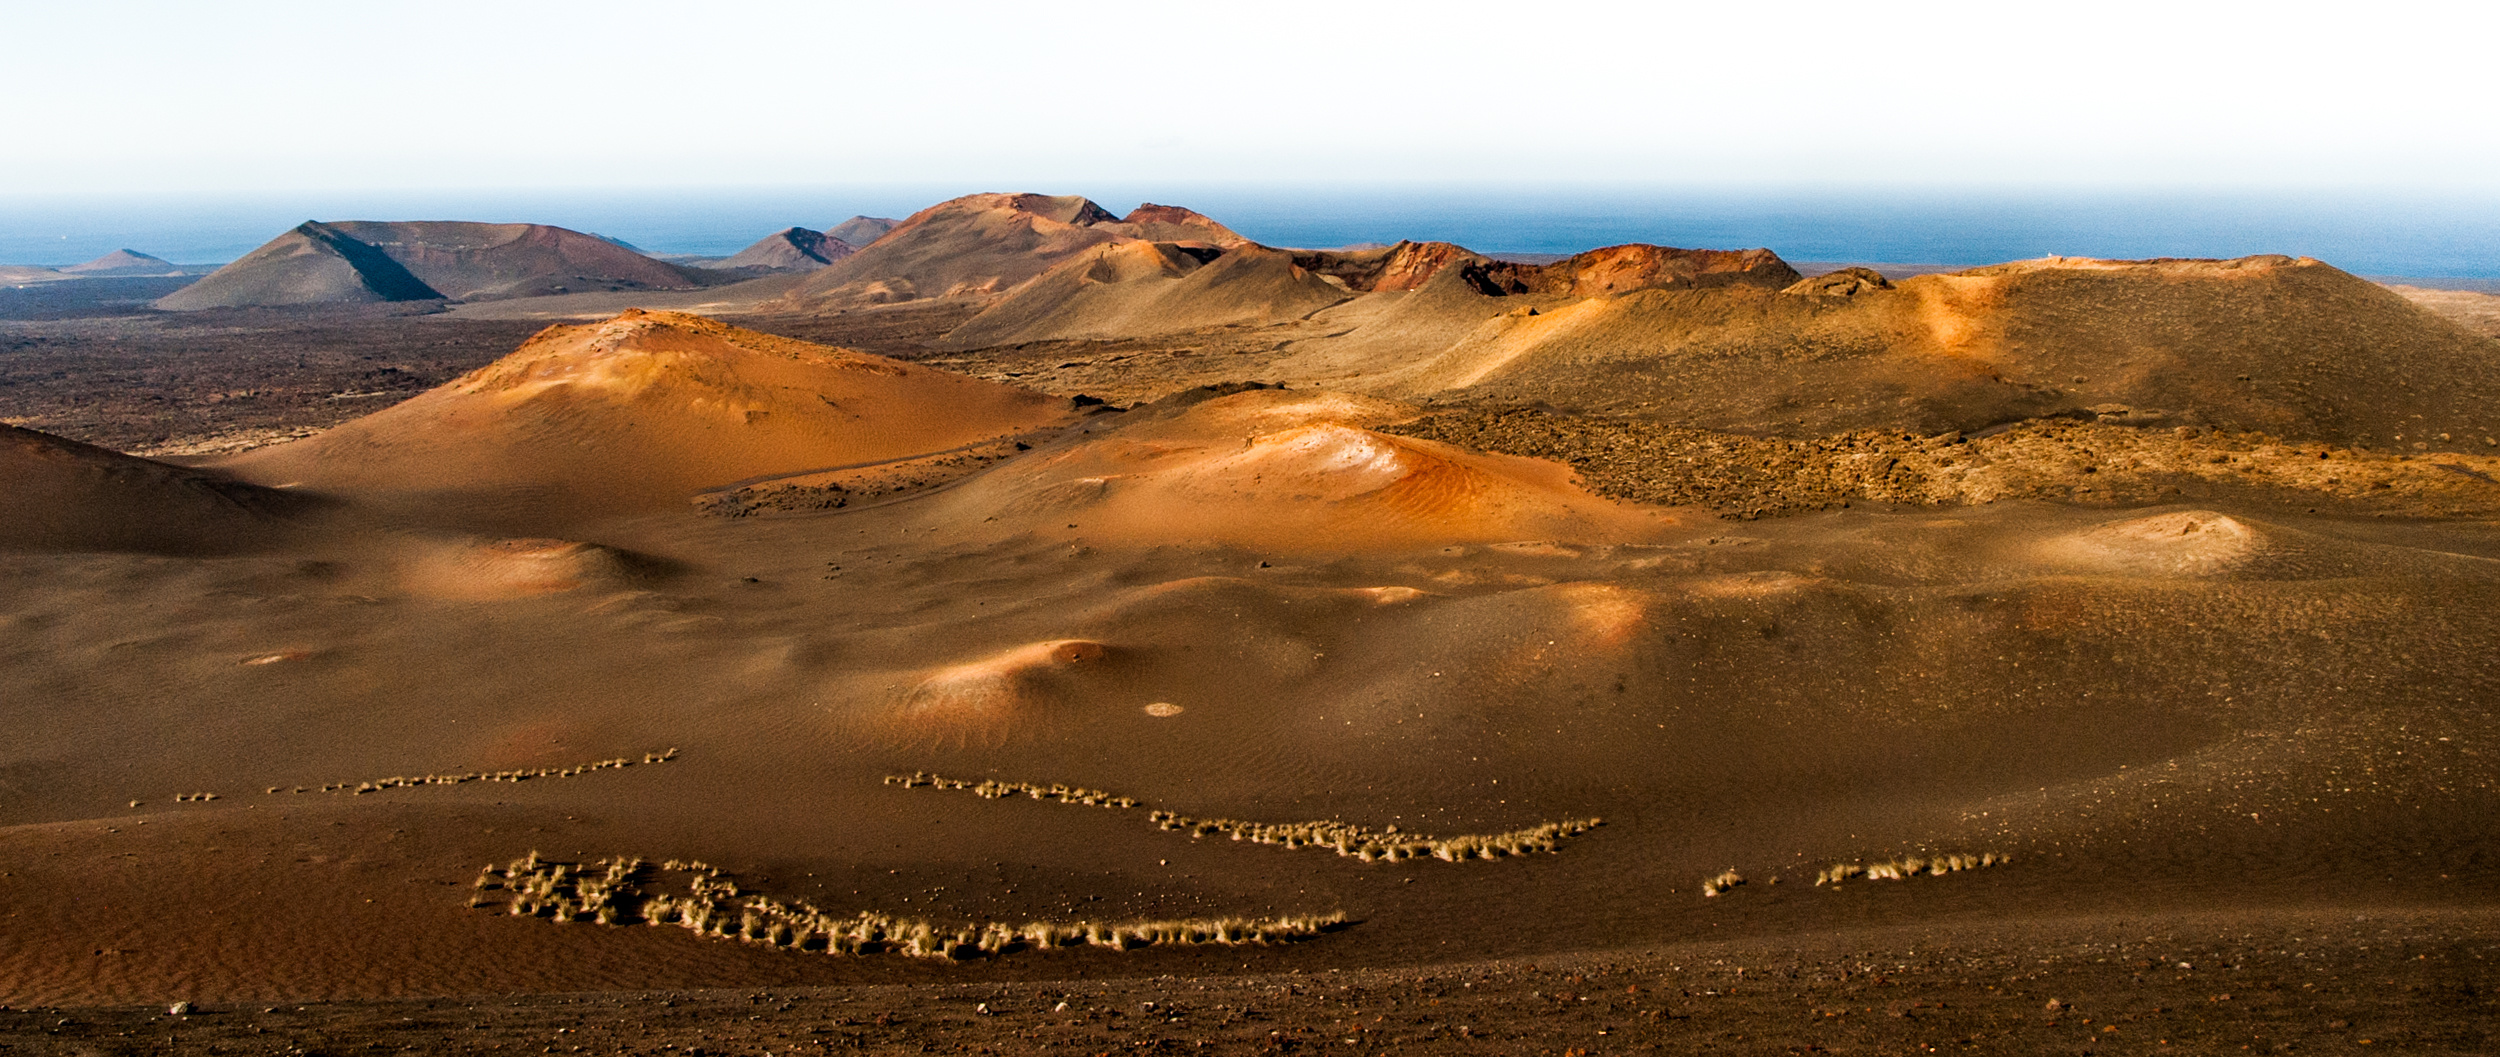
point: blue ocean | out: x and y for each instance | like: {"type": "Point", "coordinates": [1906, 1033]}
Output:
{"type": "Point", "coordinates": [2371, 233]}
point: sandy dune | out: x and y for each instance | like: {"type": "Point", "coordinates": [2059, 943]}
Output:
{"type": "Point", "coordinates": [63, 495]}
{"type": "Point", "coordinates": [1286, 470]}
{"type": "Point", "coordinates": [644, 410]}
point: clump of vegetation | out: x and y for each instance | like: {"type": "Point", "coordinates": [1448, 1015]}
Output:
{"type": "Point", "coordinates": [1384, 845]}
{"type": "Point", "coordinates": [1904, 869]}
{"type": "Point", "coordinates": [994, 790]}
{"type": "Point", "coordinates": [407, 781]}
{"type": "Point", "coordinates": [1712, 886]}
{"type": "Point", "coordinates": [1345, 838]}
{"type": "Point", "coordinates": [623, 891]}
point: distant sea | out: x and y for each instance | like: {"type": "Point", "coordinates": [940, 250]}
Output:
{"type": "Point", "coordinates": [2378, 234]}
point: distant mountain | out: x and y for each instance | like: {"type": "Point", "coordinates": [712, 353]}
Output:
{"type": "Point", "coordinates": [1640, 266]}
{"type": "Point", "coordinates": [1156, 223]}
{"type": "Point", "coordinates": [1064, 268]}
{"type": "Point", "coordinates": [988, 244]}
{"type": "Point", "coordinates": [1405, 266]}
{"type": "Point", "coordinates": [972, 246]}
{"type": "Point", "coordinates": [860, 231]}
{"type": "Point", "coordinates": [125, 262]}
{"type": "Point", "coordinates": [1611, 270]}
{"type": "Point", "coordinates": [1134, 287]}
{"type": "Point", "coordinates": [788, 250]}
{"type": "Point", "coordinates": [357, 261]}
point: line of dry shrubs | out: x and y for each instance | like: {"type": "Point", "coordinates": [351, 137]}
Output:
{"type": "Point", "coordinates": [1890, 870]}
{"type": "Point", "coordinates": [1346, 839]}
{"type": "Point", "coordinates": [614, 892]}
{"type": "Point", "coordinates": [1389, 845]}
{"type": "Point", "coordinates": [1904, 869]}
{"type": "Point", "coordinates": [995, 790]}
{"type": "Point", "coordinates": [405, 781]}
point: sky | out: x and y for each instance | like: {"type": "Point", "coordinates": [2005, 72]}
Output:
{"type": "Point", "coordinates": [123, 97]}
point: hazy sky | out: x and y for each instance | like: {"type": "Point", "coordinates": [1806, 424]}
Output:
{"type": "Point", "coordinates": [276, 95]}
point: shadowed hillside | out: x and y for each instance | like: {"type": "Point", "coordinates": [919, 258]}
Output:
{"type": "Point", "coordinates": [63, 495]}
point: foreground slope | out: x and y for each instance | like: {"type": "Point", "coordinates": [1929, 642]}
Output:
{"type": "Point", "coordinates": [2163, 716]}
{"type": "Point", "coordinates": [63, 495]}
{"type": "Point", "coordinates": [356, 261]}
{"type": "Point", "coordinates": [646, 408]}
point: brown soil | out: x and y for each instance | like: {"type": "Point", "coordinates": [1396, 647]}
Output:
{"type": "Point", "coordinates": [834, 490]}
{"type": "Point", "coordinates": [907, 331]}
{"type": "Point", "coordinates": [2285, 981]}
{"type": "Point", "coordinates": [2475, 311]}
{"type": "Point", "coordinates": [192, 382]}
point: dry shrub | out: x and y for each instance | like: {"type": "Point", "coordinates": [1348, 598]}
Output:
{"type": "Point", "coordinates": [620, 892]}
{"type": "Point", "coordinates": [1914, 866]}
{"type": "Point", "coordinates": [1344, 838]}
{"type": "Point", "coordinates": [409, 781]}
